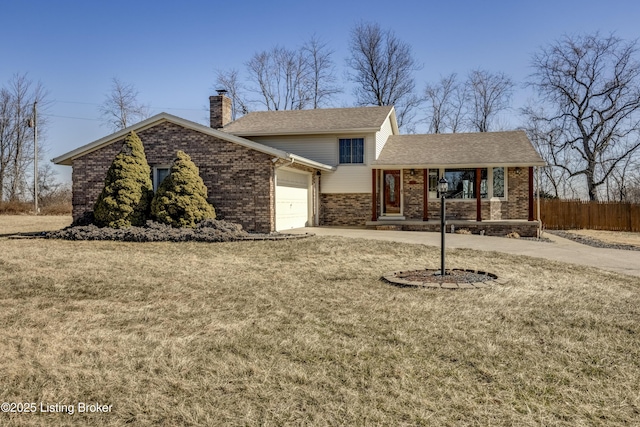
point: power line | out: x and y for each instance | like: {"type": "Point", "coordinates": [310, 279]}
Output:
{"type": "Point", "coordinates": [75, 102]}
{"type": "Point", "coordinates": [151, 107]}
{"type": "Point", "coordinates": [68, 117]}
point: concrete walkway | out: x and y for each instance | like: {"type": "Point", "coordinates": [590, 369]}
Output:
{"type": "Point", "coordinates": [563, 250]}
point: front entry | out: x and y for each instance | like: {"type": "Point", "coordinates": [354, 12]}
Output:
{"type": "Point", "coordinates": [391, 181]}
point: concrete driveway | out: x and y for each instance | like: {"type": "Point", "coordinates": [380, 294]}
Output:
{"type": "Point", "coordinates": [563, 250]}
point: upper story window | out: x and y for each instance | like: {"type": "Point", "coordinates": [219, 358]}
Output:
{"type": "Point", "coordinates": [351, 150]}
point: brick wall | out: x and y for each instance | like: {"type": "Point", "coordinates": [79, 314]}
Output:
{"type": "Point", "coordinates": [355, 209]}
{"type": "Point", "coordinates": [516, 207]}
{"type": "Point", "coordinates": [239, 180]}
{"type": "Point", "coordinates": [413, 190]}
{"type": "Point", "coordinates": [345, 209]}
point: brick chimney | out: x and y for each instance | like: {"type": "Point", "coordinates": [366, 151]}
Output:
{"type": "Point", "coordinates": [220, 109]}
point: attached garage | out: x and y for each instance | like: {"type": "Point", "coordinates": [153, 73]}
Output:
{"type": "Point", "coordinates": [292, 199]}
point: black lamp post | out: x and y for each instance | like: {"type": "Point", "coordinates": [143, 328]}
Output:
{"type": "Point", "coordinates": [443, 187]}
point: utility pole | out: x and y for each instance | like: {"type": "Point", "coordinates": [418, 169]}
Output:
{"type": "Point", "coordinates": [33, 123]}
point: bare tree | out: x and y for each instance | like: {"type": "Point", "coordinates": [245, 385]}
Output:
{"type": "Point", "coordinates": [283, 79]}
{"type": "Point", "coordinates": [321, 77]}
{"type": "Point", "coordinates": [630, 188]}
{"type": "Point", "coordinates": [6, 137]}
{"type": "Point", "coordinates": [16, 139]}
{"type": "Point", "coordinates": [556, 181]}
{"type": "Point", "coordinates": [121, 107]}
{"type": "Point", "coordinates": [382, 68]}
{"type": "Point", "coordinates": [592, 83]}
{"type": "Point", "coordinates": [279, 77]}
{"type": "Point", "coordinates": [230, 81]}
{"type": "Point", "coordinates": [488, 94]}
{"type": "Point", "coordinates": [445, 103]}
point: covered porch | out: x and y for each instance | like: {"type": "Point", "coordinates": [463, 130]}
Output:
{"type": "Point", "coordinates": [480, 194]}
{"type": "Point", "coordinates": [490, 182]}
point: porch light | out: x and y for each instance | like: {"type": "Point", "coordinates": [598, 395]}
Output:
{"type": "Point", "coordinates": [443, 186]}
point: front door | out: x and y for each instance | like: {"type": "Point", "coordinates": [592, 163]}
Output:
{"type": "Point", "coordinates": [391, 181]}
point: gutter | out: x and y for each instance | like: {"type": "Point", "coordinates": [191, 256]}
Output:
{"type": "Point", "coordinates": [310, 162]}
{"type": "Point", "coordinates": [275, 159]}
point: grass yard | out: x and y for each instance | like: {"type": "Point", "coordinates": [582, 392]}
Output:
{"type": "Point", "coordinates": [303, 332]}
{"type": "Point", "coordinates": [12, 224]}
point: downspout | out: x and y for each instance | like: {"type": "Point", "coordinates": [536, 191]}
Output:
{"type": "Point", "coordinates": [275, 159]}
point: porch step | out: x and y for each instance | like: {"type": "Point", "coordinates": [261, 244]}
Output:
{"type": "Point", "coordinates": [489, 228]}
{"type": "Point", "coordinates": [389, 227]}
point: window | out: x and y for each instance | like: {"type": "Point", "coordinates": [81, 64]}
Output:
{"type": "Point", "coordinates": [498, 182]}
{"type": "Point", "coordinates": [462, 183]}
{"type": "Point", "coordinates": [351, 150]}
{"type": "Point", "coordinates": [159, 174]}
{"type": "Point", "coordinates": [433, 182]}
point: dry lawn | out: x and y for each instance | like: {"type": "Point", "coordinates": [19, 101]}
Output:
{"type": "Point", "coordinates": [615, 237]}
{"type": "Point", "coordinates": [303, 332]}
{"type": "Point", "coordinates": [12, 224]}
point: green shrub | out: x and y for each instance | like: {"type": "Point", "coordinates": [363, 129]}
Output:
{"type": "Point", "coordinates": [124, 201]}
{"type": "Point", "coordinates": [181, 200]}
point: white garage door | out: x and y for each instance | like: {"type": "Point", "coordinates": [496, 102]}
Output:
{"type": "Point", "coordinates": [292, 199]}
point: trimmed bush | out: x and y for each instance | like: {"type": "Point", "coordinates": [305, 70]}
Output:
{"type": "Point", "coordinates": [181, 200]}
{"type": "Point", "coordinates": [127, 192]}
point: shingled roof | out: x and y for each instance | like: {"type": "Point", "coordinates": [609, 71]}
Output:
{"type": "Point", "coordinates": [511, 148]}
{"type": "Point", "coordinates": [318, 121]}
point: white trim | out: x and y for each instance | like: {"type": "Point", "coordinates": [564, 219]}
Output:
{"type": "Point", "coordinates": [313, 132]}
{"type": "Point", "coordinates": [67, 158]}
{"type": "Point", "coordinates": [309, 189]}
{"type": "Point", "coordinates": [505, 183]}
{"type": "Point", "coordinates": [383, 214]}
{"type": "Point", "coordinates": [154, 174]}
{"type": "Point", "coordinates": [490, 196]}
{"type": "Point", "coordinates": [364, 150]}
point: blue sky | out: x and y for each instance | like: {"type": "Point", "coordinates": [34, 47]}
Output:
{"type": "Point", "coordinates": [170, 50]}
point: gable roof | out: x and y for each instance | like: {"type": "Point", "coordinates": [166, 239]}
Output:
{"type": "Point", "coordinates": [67, 158]}
{"type": "Point", "coordinates": [317, 121]}
{"type": "Point", "coordinates": [511, 148]}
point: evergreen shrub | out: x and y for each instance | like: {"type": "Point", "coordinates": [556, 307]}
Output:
{"type": "Point", "coordinates": [125, 198]}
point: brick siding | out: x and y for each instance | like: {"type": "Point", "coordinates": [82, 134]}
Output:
{"type": "Point", "coordinates": [239, 179]}
{"type": "Point", "coordinates": [345, 209]}
{"type": "Point", "coordinates": [515, 207]}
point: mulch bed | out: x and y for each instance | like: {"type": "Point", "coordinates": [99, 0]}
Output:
{"type": "Point", "coordinates": [206, 231]}
{"type": "Point", "coordinates": [590, 241]}
{"type": "Point", "coordinates": [453, 279]}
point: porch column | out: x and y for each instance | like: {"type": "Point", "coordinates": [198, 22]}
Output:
{"type": "Point", "coordinates": [531, 193]}
{"type": "Point", "coordinates": [374, 198]}
{"type": "Point", "coordinates": [478, 195]}
{"type": "Point", "coordinates": [425, 196]}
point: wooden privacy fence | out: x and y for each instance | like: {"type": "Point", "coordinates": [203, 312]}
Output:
{"type": "Point", "coordinates": [575, 214]}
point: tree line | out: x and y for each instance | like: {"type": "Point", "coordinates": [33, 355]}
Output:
{"type": "Point", "coordinates": [17, 100]}
{"type": "Point", "coordinates": [585, 120]}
